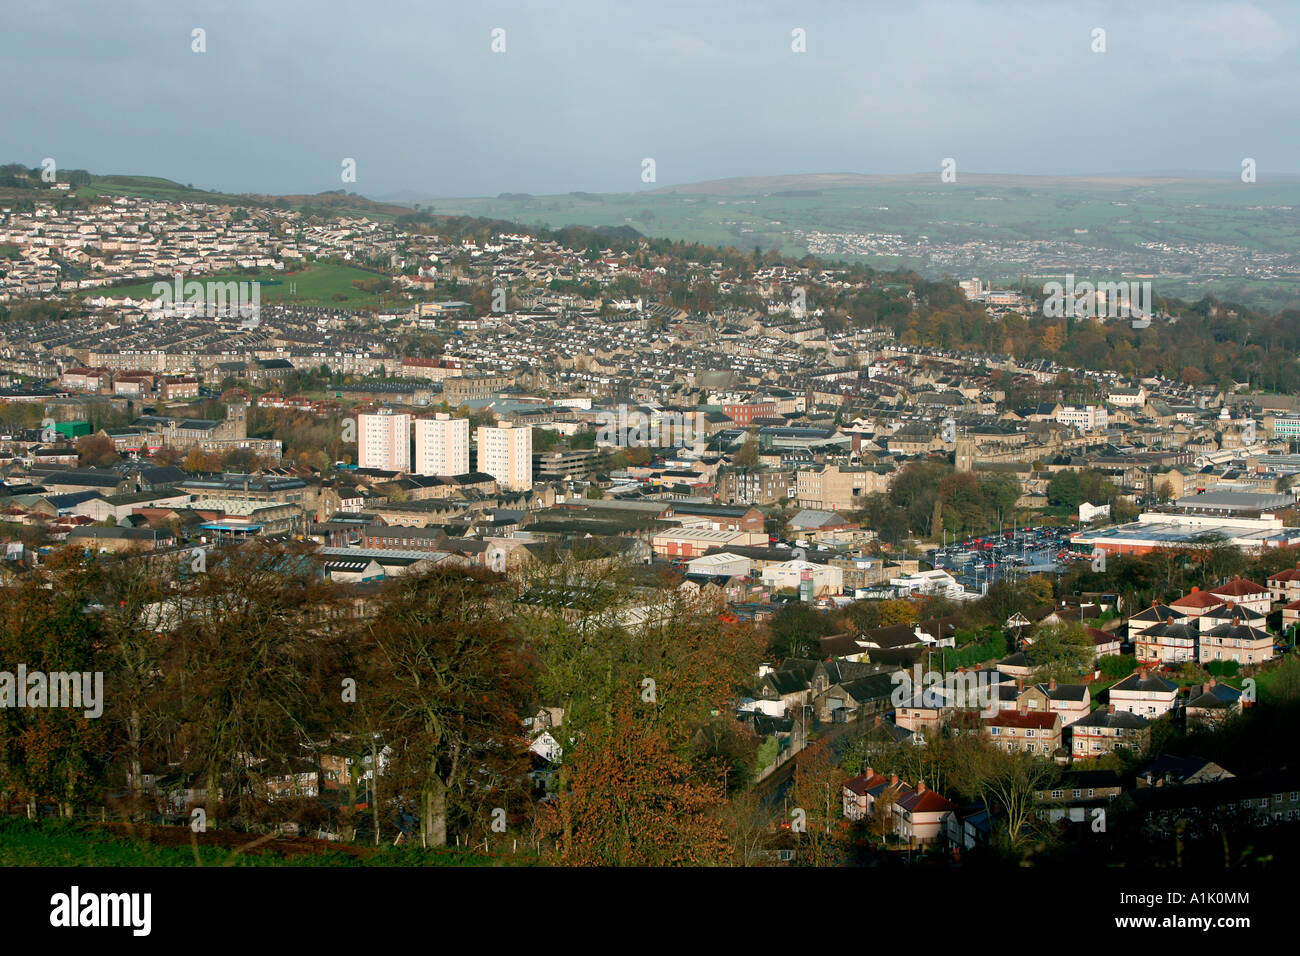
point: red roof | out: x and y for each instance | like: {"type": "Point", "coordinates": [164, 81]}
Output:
{"type": "Point", "coordinates": [926, 801]}
{"type": "Point", "coordinates": [1201, 599]}
{"type": "Point", "coordinates": [861, 784]}
{"type": "Point", "coordinates": [1239, 588]}
{"type": "Point", "coordinates": [1036, 719]}
{"type": "Point", "coordinates": [1101, 637]}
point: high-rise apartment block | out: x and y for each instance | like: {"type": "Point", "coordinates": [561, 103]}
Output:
{"type": "Point", "coordinates": [506, 453]}
{"type": "Point", "coordinates": [384, 440]}
{"type": "Point", "coordinates": [441, 445]}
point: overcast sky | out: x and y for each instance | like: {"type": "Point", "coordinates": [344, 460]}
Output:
{"type": "Point", "coordinates": [585, 90]}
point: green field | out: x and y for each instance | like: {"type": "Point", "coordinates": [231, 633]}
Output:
{"type": "Point", "coordinates": [57, 843]}
{"type": "Point", "coordinates": [314, 285]}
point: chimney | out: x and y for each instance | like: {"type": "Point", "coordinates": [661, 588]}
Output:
{"type": "Point", "coordinates": [920, 786]}
{"type": "Point", "coordinates": [1212, 682]}
{"type": "Point", "coordinates": [868, 772]}
{"type": "Point", "coordinates": [877, 721]}
{"type": "Point", "coordinates": [1020, 683]}
{"type": "Point", "coordinates": [1110, 708]}
{"type": "Point", "coordinates": [1195, 589]}
{"type": "Point", "coordinates": [1153, 602]}
{"type": "Point", "coordinates": [893, 780]}
{"type": "Point", "coordinates": [1169, 620]}
{"type": "Point", "coordinates": [1051, 684]}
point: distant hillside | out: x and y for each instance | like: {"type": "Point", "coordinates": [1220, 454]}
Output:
{"type": "Point", "coordinates": [1188, 233]}
{"type": "Point", "coordinates": [154, 187]}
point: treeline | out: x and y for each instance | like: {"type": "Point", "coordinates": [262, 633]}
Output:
{"type": "Point", "coordinates": [929, 496]}
{"type": "Point", "coordinates": [1165, 572]}
{"type": "Point", "coordinates": [236, 676]}
{"type": "Point", "coordinates": [1213, 343]}
{"type": "Point", "coordinates": [18, 176]}
{"type": "Point", "coordinates": [795, 628]}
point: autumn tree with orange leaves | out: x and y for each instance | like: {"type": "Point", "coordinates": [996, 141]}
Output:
{"type": "Point", "coordinates": [633, 801]}
{"type": "Point", "coordinates": [648, 678]}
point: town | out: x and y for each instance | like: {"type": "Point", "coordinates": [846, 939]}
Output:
{"type": "Point", "coordinates": [910, 598]}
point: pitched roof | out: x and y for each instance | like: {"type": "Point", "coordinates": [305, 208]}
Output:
{"type": "Point", "coordinates": [925, 801]}
{"type": "Point", "coordinates": [1036, 719]}
{"type": "Point", "coordinates": [1146, 683]}
{"type": "Point", "coordinates": [1239, 588]}
{"type": "Point", "coordinates": [1196, 599]}
{"type": "Point", "coordinates": [1117, 719]}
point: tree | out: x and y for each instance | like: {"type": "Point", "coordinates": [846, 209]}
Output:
{"type": "Point", "coordinates": [633, 801]}
{"type": "Point", "coordinates": [1007, 780]}
{"type": "Point", "coordinates": [96, 450]}
{"type": "Point", "coordinates": [252, 673]}
{"type": "Point", "coordinates": [131, 590]}
{"type": "Point", "coordinates": [897, 611]}
{"type": "Point", "coordinates": [51, 754]}
{"type": "Point", "coordinates": [795, 628]}
{"type": "Point", "coordinates": [746, 457]}
{"type": "Point", "coordinates": [448, 677]}
{"type": "Point", "coordinates": [817, 788]}
{"type": "Point", "coordinates": [669, 682]}
{"type": "Point", "coordinates": [749, 829]}
{"type": "Point", "coordinates": [1062, 650]}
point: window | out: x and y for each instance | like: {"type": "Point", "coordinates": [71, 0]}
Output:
{"type": "Point", "coordinates": [1057, 794]}
{"type": "Point", "coordinates": [1077, 794]}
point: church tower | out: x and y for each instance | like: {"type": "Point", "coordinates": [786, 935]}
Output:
{"type": "Point", "coordinates": [964, 455]}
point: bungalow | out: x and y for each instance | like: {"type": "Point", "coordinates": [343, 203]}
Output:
{"type": "Point", "coordinates": [1170, 771]}
{"type": "Point", "coordinates": [121, 539]}
{"type": "Point", "coordinates": [1017, 665]}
